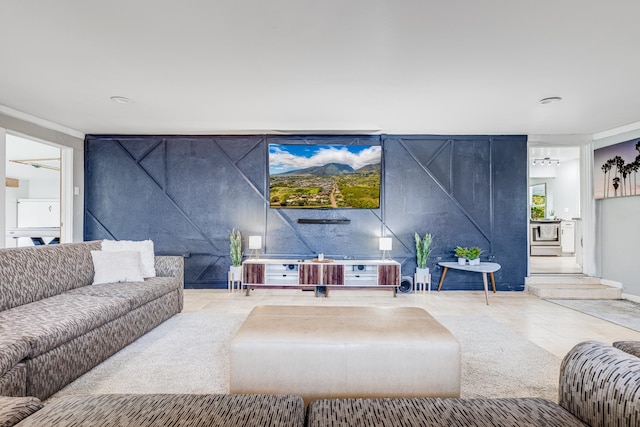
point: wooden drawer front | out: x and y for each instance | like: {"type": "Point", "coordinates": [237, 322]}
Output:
{"type": "Point", "coordinates": [389, 275]}
{"type": "Point", "coordinates": [309, 274]}
{"type": "Point", "coordinates": [333, 275]}
{"type": "Point", "coordinates": [253, 273]}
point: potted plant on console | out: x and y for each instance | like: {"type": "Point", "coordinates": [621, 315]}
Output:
{"type": "Point", "coordinates": [235, 253]}
{"type": "Point", "coordinates": [461, 254]}
{"type": "Point", "coordinates": [473, 255]}
{"type": "Point", "coordinates": [423, 250]}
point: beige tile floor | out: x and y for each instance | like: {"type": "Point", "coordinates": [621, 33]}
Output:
{"type": "Point", "coordinates": [548, 325]}
{"type": "Point", "coordinates": [554, 265]}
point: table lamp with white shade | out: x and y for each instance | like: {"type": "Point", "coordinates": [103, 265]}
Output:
{"type": "Point", "coordinates": [255, 244]}
{"type": "Point", "coordinates": [385, 247]}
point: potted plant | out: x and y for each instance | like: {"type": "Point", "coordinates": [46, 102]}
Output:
{"type": "Point", "coordinates": [461, 254]}
{"type": "Point", "coordinates": [473, 255]}
{"type": "Point", "coordinates": [235, 253]}
{"type": "Point", "coordinates": [423, 250]}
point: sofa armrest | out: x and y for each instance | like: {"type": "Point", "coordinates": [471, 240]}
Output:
{"type": "Point", "coordinates": [170, 266]}
{"type": "Point", "coordinates": [15, 409]}
{"type": "Point", "coordinates": [600, 385]}
{"type": "Point", "coordinates": [631, 347]}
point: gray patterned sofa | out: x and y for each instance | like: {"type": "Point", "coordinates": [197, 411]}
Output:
{"type": "Point", "coordinates": [599, 387]}
{"type": "Point", "coordinates": [55, 325]}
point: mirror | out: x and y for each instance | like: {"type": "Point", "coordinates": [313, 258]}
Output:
{"type": "Point", "coordinates": [538, 200]}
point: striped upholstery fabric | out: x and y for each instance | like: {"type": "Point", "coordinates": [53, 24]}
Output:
{"type": "Point", "coordinates": [14, 382]}
{"type": "Point", "coordinates": [33, 273]}
{"type": "Point", "coordinates": [172, 266]}
{"type": "Point", "coordinates": [53, 370]}
{"type": "Point", "coordinates": [425, 412]}
{"type": "Point", "coordinates": [601, 385]}
{"type": "Point", "coordinates": [47, 323]}
{"type": "Point", "coordinates": [631, 347]}
{"type": "Point", "coordinates": [55, 325]}
{"type": "Point", "coordinates": [171, 410]}
{"type": "Point", "coordinates": [166, 266]}
{"type": "Point", "coordinates": [13, 348]}
{"type": "Point", "coordinates": [134, 294]}
{"type": "Point", "coordinates": [15, 409]}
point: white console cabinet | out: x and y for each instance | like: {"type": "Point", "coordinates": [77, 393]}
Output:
{"type": "Point", "coordinates": [309, 274]}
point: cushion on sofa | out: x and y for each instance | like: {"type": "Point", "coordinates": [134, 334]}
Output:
{"type": "Point", "coordinates": [136, 294]}
{"type": "Point", "coordinates": [171, 410]}
{"type": "Point", "coordinates": [145, 247]}
{"type": "Point", "coordinates": [33, 273]}
{"type": "Point", "coordinates": [52, 321]}
{"type": "Point", "coordinates": [402, 412]}
{"type": "Point", "coordinates": [15, 409]}
{"type": "Point", "coordinates": [116, 266]}
{"type": "Point", "coordinates": [631, 347]}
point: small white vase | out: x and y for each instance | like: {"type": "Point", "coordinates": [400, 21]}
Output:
{"type": "Point", "coordinates": [474, 261]}
{"type": "Point", "coordinates": [236, 272]}
{"type": "Point", "coordinates": [462, 261]}
{"type": "Point", "coordinates": [422, 274]}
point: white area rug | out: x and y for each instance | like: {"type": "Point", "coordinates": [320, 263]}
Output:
{"type": "Point", "coordinates": [190, 354]}
{"type": "Point", "coordinates": [497, 362]}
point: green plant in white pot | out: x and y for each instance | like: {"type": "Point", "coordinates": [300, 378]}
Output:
{"type": "Point", "coordinates": [473, 255]}
{"type": "Point", "coordinates": [461, 254]}
{"type": "Point", "coordinates": [235, 253]}
{"type": "Point", "coordinates": [423, 250]}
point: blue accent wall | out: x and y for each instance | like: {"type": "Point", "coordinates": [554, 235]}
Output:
{"type": "Point", "coordinates": [186, 193]}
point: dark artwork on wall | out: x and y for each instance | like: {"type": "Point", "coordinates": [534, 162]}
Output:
{"type": "Point", "coordinates": [187, 193]}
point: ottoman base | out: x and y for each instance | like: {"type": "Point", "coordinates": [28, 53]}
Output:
{"type": "Point", "coordinates": [339, 352]}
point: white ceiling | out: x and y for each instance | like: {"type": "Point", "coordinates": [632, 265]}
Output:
{"type": "Point", "coordinates": [562, 154]}
{"type": "Point", "coordinates": [19, 148]}
{"type": "Point", "coordinates": [393, 66]}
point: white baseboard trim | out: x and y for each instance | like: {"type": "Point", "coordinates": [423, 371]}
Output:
{"type": "Point", "coordinates": [634, 298]}
{"type": "Point", "coordinates": [611, 283]}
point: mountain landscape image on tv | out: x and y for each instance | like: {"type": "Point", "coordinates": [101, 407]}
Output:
{"type": "Point", "coordinates": [324, 176]}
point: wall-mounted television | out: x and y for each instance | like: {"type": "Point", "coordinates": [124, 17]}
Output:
{"type": "Point", "coordinates": [313, 176]}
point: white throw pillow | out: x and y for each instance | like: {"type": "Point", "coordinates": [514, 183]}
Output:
{"type": "Point", "coordinates": [116, 266]}
{"type": "Point", "coordinates": [145, 247]}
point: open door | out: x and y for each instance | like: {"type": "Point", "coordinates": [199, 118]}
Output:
{"type": "Point", "coordinates": [32, 192]}
{"type": "Point", "coordinates": [555, 223]}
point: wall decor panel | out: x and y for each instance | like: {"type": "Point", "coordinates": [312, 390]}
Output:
{"type": "Point", "coordinates": [188, 192]}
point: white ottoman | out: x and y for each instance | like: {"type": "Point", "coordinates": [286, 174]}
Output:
{"type": "Point", "coordinates": [342, 352]}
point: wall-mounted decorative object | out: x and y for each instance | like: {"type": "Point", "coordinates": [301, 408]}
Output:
{"type": "Point", "coordinates": [306, 176]}
{"type": "Point", "coordinates": [616, 170]}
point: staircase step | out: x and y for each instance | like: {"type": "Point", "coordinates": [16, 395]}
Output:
{"type": "Point", "coordinates": [573, 279]}
{"type": "Point", "coordinates": [573, 291]}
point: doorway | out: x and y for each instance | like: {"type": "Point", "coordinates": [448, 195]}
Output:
{"type": "Point", "coordinates": [555, 223]}
{"type": "Point", "coordinates": [32, 196]}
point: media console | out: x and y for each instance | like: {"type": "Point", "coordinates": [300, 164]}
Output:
{"type": "Point", "coordinates": [313, 274]}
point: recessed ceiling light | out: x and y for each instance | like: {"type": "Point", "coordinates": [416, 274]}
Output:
{"type": "Point", "coordinates": [550, 100]}
{"type": "Point", "coordinates": [121, 100]}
